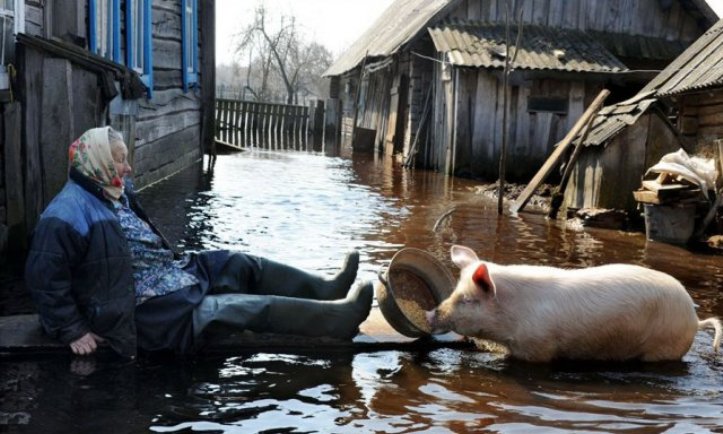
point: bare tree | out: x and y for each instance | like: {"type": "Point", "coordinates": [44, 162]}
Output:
{"type": "Point", "coordinates": [279, 53]}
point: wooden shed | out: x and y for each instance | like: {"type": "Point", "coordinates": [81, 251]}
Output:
{"type": "Point", "coordinates": [145, 67]}
{"type": "Point", "coordinates": [681, 107]}
{"type": "Point", "coordinates": [432, 91]}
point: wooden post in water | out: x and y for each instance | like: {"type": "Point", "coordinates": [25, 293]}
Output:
{"type": "Point", "coordinates": [257, 123]}
{"type": "Point", "coordinates": [318, 131]}
{"type": "Point", "coordinates": [237, 123]}
{"type": "Point", "coordinates": [277, 127]}
{"type": "Point", "coordinates": [305, 129]}
{"type": "Point", "coordinates": [217, 120]}
{"type": "Point", "coordinates": [294, 127]}
{"type": "Point", "coordinates": [226, 123]}
{"type": "Point", "coordinates": [242, 125]}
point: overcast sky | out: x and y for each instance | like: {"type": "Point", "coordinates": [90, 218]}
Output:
{"type": "Point", "coordinates": [333, 23]}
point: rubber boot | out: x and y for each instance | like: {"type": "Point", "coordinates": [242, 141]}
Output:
{"type": "Point", "coordinates": [283, 280]}
{"type": "Point", "coordinates": [287, 315]}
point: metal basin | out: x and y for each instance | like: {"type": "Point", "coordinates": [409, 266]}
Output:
{"type": "Point", "coordinates": [414, 282]}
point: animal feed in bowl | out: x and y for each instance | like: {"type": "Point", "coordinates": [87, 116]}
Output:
{"type": "Point", "coordinates": [413, 296]}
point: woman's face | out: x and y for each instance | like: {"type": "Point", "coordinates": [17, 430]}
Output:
{"type": "Point", "coordinates": [120, 159]}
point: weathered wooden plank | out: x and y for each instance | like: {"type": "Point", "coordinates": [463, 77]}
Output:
{"type": "Point", "coordinates": [540, 11]}
{"type": "Point", "coordinates": [151, 130]}
{"type": "Point", "coordinates": [571, 16]}
{"type": "Point", "coordinates": [239, 121]}
{"type": "Point", "coordinates": [32, 82]}
{"type": "Point", "coordinates": [87, 100]}
{"type": "Point", "coordinates": [473, 10]}
{"type": "Point", "coordinates": [272, 126]}
{"type": "Point", "coordinates": [522, 149]}
{"type": "Point", "coordinates": [711, 119]}
{"type": "Point", "coordinates": [167, 79]}
{"type": "Point", "coordinates": [168, 155]}
{"type": "Point", "coordinates": [166, 54]}
{"type": "Point", "coordinates": [166, 24]}
{"type": "Point", "coordinates": [485, 123]}
{"type": "Point", "coordinates": [57, 123]}
{"type": "Point", "coordinates": [14, 181]}
{"type": "Point", "coordinates": [561, 148]}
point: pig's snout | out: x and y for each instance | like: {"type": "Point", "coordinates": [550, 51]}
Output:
{"type": "Point", "coordinates": [434, 323]}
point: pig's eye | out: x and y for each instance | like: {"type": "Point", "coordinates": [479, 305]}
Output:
{"type": "Point", "coordinates": [467, 299]}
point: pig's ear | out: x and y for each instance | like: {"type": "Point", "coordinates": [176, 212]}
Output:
{"type": "Point", "coordinates": [481, 278]}
{"type": "Point", "coordinates": [462, 256]}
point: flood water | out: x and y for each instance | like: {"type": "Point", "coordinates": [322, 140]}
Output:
{"type": "Point", "coordinates": [308, 210]}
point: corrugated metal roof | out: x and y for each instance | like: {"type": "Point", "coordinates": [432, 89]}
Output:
{"type": "Point", "coordinates": [395, 27]}
{"type": "Point", "coordinates": [477, 44]}
{"type": "Point", "coordinates": [699, 67]}
{"type": "Point", "coordinates": [612, 119]}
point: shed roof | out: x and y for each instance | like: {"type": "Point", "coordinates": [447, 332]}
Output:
{"type": "Point", "coordinates": [399, 23]}
{"type": "Point", "coordinates": [699, 67]}
{"type": "Point", "coordinates": [477, 44]}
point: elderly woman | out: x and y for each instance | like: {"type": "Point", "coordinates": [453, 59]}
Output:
{"type": "Point", "coordinates": [100, 272]}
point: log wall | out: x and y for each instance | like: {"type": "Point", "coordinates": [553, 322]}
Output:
{"type": "Point", "coordinates": [701, 119]}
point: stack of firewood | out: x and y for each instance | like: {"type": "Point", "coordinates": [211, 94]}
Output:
{"type": "Point", "coordinates": [666, 189]}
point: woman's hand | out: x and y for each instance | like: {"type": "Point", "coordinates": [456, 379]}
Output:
{"type": "Point", "coordinates": [86, 344]}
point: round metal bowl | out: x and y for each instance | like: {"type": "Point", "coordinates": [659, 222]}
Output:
{"type": "Point", "coordinates": [414, 282]}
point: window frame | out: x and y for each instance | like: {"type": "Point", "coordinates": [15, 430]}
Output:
{"type": "Point", "coordinates": [146, 70]}
{"type": "Point", "coordinates": [115, 31]}
{"type": "Point", "coordinates": [18, 12]}
{"type": "Point", "coordinates": [189, 67]}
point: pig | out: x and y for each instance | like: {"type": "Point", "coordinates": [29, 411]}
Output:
{"type": "Point", "coordinates": [614, 312]}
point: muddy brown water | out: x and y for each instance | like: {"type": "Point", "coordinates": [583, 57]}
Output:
{"type": "Point", "coordinates": [308, 210]}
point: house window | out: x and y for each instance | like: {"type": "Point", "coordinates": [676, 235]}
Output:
{"type": "Point", "coordinates": [12, 21]}
{"type": "Point", "coordinates": [547, 104]}
{"type": "Point", "coordinates": [189, 35]}
{"type": "Point", "coordinates": [139, 49]}
{"type": "Point", "coordinates": [104, 23]}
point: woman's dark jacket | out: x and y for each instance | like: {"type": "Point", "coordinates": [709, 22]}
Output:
{"type": "Point", "coordinates": [79, 269]}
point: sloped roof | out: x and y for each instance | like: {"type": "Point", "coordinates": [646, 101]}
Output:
{"type": "Point", "coordinates": [611, 119]}
{"type": "Point", "coordinates": [404, 19]}
{"type": "Point", "coordinates": [477, 44]}
{"type": "Point", "coordinates": [395, 27]}
{"type": "Point", "coordinates": [699, 67]}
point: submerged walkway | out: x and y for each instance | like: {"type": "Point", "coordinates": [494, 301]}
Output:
{"type": "Point", "coordinates": [22, 335]}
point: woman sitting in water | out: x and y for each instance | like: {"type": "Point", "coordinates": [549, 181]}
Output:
{"type": "Point", "coordinates": [99, 271]}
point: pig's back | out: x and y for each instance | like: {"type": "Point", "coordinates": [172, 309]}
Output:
{"type": "Point", "coordinates": [616, 311]}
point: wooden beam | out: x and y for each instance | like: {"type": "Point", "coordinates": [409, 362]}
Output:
{"type": "Point", "coordinates": [560, 149]}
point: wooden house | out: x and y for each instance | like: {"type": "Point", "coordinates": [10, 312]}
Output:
{"type": "Point", "coordinates": [682, 107]}
{"type": "Point", "coordinates": [425, 81]}
{"type": "Point", "coordinates": [145, 67]}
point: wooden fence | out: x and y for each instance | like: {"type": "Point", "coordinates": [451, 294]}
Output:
{"type": "Point", "coordinates": [244, 124]}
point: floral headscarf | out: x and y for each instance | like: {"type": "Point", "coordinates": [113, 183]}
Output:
{"type": "Point", "coordinates": [91, 155]}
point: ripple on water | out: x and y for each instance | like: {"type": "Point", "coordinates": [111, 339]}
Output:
{"type": "Point", "coordinates": [308, 210]}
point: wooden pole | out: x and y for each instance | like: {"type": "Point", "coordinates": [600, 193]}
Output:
{"type": "Point", "coordinates": [558, 193]}
{"type": "Point", "coordinates": [560, 149]}
{"type": "Point", "coordinates": [505, 101]}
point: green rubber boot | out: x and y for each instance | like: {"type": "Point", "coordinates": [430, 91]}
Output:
{"type": "Point", "coordinates": [283, 280]}
{"type": "Point", "coordinates": [287, 315]}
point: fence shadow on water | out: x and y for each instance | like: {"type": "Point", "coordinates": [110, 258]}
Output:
{"type": "Point", "coordinates": [245, 124]}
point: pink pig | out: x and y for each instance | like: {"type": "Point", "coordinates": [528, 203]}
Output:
{"type": "Point", "coordinates": [611, 312]}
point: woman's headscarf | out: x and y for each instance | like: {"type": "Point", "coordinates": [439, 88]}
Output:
{"type": "Point", "coordinates": [91, 155]}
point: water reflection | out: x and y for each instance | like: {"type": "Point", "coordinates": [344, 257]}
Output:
{"type": "Point", "coordinates": [308, 210]}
